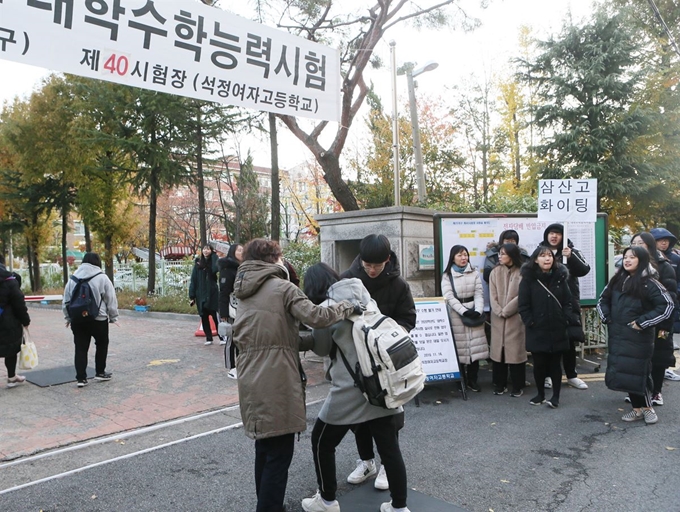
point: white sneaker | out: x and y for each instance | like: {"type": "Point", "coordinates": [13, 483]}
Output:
{"type": "Point", "coordinates": [387, 507]}
{"type": "Point", "coordinates": [223, 341]}
{"type": "Point", "coordinates": [15, 381]}
{"type": "Point", "coordinates": [208, 343]}
{"type": "Point", "coordinates": [364, 470]}
{"type": "Point", "coordinates": [671, 375]}
{"type": "Point", "coordinates": [577, 383]}
{"type": "Point", "coordinates": [232, 374]}
{"type": "Point", "coordinates": [548, 383]}
{"type": "Point", "coordinates": [316, 504]}
{"type": "Point", "coordinates": [381, 482]}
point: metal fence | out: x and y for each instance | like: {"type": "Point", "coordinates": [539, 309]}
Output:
{"type": "Point", "coordinates": [595, 335]}
{"type": "Point", "coordinates": [172, 277]}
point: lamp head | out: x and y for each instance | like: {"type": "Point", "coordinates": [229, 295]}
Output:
{"type": "Point", "coordinates": [429, 66]}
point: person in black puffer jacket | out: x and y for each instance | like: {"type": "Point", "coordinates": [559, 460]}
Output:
{"type": "Point", "coordinates": [377, 267]}
{"type": "Point", "coordinates": [546, 310]}
{"type": "Point", "coordinates": [665, 242]}
{"type": "Point", "coordinates": [204, 292]}
{"type": "Point", "coordinates": [553, 237]}
{"type": "Point", "coordinates": [13, 318]}
{"type": "Point", "coordinates": [631, 305]}
{"type": "Point", "coordinates": [228, 266]}
{"type": "Point", "coordinates": [663, 333]}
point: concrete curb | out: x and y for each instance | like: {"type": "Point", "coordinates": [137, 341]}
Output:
{"type": "Point", "coordinates": [130, 312]}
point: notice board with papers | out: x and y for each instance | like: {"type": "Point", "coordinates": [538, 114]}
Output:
{"type": "Point", "coordinates": [433, 338]}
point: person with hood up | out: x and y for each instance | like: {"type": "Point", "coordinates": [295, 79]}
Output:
{"type": "Point", "coordinates": [665, 242]}
{"type": "Point", "coordinates": [553, 237]}
{"type": "Point", "coordinates": [661, 270]}
{"type": "Point", "coordinates": [271, 382]}
{"type": "Point", "coordinates": [228, 267]}
{"type": "Point", "coordinates": [462, 289]}
{"type": "Point", "coordinates": [631, 305]}
{"type": "Point", "coordinates": [545, 306]}
{"type": "Point", "coordinates": [345, 405]}
{"type": "Point", "coordinates": [83, 332]}
{"type": "Point", "coordinates": [203, 290]}
{"type": "Point", "coordinates": [378, 269]}
{"type": "Point", "coordinates": [13, 318]}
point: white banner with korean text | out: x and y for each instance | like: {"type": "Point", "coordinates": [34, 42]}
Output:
{"type": "Point", "coordinates": [567, 200]}
{"type": "Point", "coordinates": [175, 46]}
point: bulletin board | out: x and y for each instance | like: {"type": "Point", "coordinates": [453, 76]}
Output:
{"type": "Point", "coordinates": [433, 337]}
{"type": "Point", "coordinates": [475, 231]}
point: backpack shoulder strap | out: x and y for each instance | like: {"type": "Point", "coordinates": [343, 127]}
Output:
{"type": "Point", "coordinates": [355, 376]}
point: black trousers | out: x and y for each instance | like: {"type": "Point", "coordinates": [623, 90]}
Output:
{"type": "Point", "coordinates": [205, 322]}
{"type": "Point", "coordinates": [82, 335]}
{"type": "Point", "coordinates": [11, 364]}
{"type": "Point", "coordinates": [273, 456]}
{"type": "Point", "coordinates": [500, 374]}
{"type": "Point", "coordinates": [638, 401]}
{"type": "Point", "coordinates": [471, 372]}
{"type": "Point", "coordinates": [547, 364]}
{"type": "Point", "coordinates": [362, 436]}
{"type": "Point", "coordinates": [569, 361]}
{"type": "Point", "coordinates": [326, 437]}
{"type": "Point", "coordinates": [658, 372]}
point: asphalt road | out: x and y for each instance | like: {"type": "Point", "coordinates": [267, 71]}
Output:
{"type": "Point", "coordinates": [490, 453]}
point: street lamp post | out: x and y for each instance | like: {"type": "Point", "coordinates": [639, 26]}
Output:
{"type": "Point", "coordinates": [395, 126]}
{"type": "Point", "coordinates": [417, 150]}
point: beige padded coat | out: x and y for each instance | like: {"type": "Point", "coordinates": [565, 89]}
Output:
{"type": "Point", "coordinates": [507, 328]}
{"type": "Point", "coordinates": [266, 332]}
{"type": "Point", "coordinates": [471, 343]}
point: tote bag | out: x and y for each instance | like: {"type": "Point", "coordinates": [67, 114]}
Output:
{"type": "Point", "coordinates": [29, 354]}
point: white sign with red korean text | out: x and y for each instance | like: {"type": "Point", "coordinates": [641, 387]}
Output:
{"type": "Point", "coordinates": [567, 200]}
{"type": "Point", "coordinates": [175, 46]}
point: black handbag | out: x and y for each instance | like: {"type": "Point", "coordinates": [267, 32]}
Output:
{"type": "Point", "coordinates": [467, 321]}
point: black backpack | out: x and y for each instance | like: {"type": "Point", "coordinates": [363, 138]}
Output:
{"type": "Point", "coordinates": [83, 306]}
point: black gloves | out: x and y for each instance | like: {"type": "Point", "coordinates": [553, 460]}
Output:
{"type": "Point", "coordinates": [359, 308]}
{"type": "Point", "coordinates": [471, 313]}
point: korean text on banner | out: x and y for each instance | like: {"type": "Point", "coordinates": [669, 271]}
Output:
{"type": "Point", "coordinates": [567, 200]}
{"type": "Point", "coordinates": [176, 46]}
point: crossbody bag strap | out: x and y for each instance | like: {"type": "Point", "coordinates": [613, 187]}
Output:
{"type": "Point", "coordinates": [456, 295]}
{"type": "Point", "coordinates": [551, 293]}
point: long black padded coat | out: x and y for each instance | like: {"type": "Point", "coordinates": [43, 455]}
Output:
{"type": "Point", "coordinates": [14, 315]}
{"type": "Point", "coordinates": [545, 318]}
{"type": "Point", "coordinates": [629, 362]}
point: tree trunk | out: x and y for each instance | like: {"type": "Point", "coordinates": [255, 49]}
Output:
{"type": "Point", "coordinates": [276, 201]}
{"type": "Point", "coordinates": [108, 256]}
{"type": "Point", "coordinates": [64, 232]}
{"type": "Point", "coordinates": [29, 251]}
{"type": "Point", "coordinates": [518, 167]}
{"type": "Point", "coordinates": [88, 238]}
{"type": "Point", "coordinates": [153, 203]}
{"type": "Point", "coordinates": [333, 175]}
{"type": "Point", "coordinates": [200, 183]}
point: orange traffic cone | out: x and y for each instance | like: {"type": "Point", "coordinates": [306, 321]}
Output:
{"type": "Point", "coordinates": [199, 332]}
